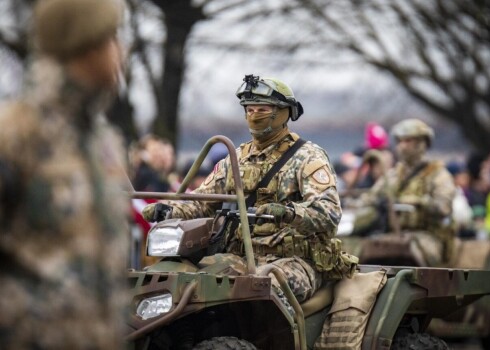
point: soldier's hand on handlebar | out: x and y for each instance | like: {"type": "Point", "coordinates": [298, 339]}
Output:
{"type": "Point", "coordinates": [280, 212]}
{"type": "Point", "coordinates": [156, 212]}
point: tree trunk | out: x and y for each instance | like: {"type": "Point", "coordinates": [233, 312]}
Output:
{"type": "Point", "coordinates": [180, 17]}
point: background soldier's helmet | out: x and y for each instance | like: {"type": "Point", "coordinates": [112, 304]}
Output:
{"type": "Point", "coordinates": [256, 90]}
{"type": "Point", "coordinates": [413, 128]}
{"type": "Point", "coordinates": [66, 28]}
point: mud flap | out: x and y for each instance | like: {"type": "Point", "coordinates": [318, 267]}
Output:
{"type": "Point", "coordinates": [346, 322]}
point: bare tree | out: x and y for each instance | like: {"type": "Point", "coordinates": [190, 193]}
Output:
{"type": "Point", "coordinates": [437, 50]}
{"type": "Point", "coordinates": [179, 17]}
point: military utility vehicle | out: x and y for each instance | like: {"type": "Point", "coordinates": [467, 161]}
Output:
{"type": "Point", "coordinates": [402, 248]}
{"type": "Point", "coordinates": [176, 306]}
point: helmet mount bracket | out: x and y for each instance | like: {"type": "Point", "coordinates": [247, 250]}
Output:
{"type": "Point", "coordinates": [252, 81]}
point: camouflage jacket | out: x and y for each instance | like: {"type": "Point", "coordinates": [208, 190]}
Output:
{"type": "Point", "coordinates": [63, 219]}
{"type": "Point", "coordinates": [431, 191]}
{"type": "Point", "coordinates": [307, 181]}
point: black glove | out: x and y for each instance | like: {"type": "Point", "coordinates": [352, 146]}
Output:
{"type": "Point", "coordinates": [160, 212]}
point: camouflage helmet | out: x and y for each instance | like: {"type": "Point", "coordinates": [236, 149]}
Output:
{"type": "Point", "coordinates": [413, 128]}
{"type": "Point", "coordinates": [66, 28]}
{"type": "Point", "coordinates": [255, 90]}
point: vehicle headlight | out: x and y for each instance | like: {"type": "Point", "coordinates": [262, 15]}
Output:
{"type": "Point", "coordinates": [164, 241]}
{"type": "Point", "coordinates": [154, 306]}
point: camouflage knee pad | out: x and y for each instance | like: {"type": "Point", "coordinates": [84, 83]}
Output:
{"type": "Point", "coordinates": [302, 278]}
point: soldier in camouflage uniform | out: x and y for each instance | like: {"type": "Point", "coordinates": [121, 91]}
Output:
{"type": "Point", "coordinates": [426, 185]}
{"type": "Point", "coordinates": [302, 196]}
{"type": "Point", "coordinates": [63, 212]}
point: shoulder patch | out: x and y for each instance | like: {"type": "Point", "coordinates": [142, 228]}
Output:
{"type": "Point", "coordinates": [311, 167]}
{"type": "Point", "coordinates": [322, 176]}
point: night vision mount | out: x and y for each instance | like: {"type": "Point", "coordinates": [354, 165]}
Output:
{"type": "Point", "coordinates": [252, 81]}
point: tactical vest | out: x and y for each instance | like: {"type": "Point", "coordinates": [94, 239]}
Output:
{"type": "Point", "coordinates": [418, 186]}
{"type": "Point", "coordinates": [252, 173]}
{"type": "Point", "coordinates": [420, 219]}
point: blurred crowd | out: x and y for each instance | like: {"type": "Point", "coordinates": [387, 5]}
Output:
{"type": "Point", "coordinates": [358, 170]}
{"type": "Point", "coordinates": [154, 167]}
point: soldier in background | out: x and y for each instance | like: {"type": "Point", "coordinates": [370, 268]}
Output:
{"type": "Point", "coordinates": [63, 212]}
{"type": "Point", "coordinates": [302, 195]}
{"type": "Point", "coordinates": [426, 186]}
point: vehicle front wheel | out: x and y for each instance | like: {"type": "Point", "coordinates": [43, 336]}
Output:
{"type": "Point", "coordinates": [418, 341]}
{"type": "Point", "coordinates": [225, 343]}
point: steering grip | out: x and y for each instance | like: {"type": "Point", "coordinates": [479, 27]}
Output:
{"type": "Point", "coordinates": [161, 212]}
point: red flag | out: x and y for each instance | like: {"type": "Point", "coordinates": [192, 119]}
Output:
{"type": "Point", "coordinates": [137, 209]}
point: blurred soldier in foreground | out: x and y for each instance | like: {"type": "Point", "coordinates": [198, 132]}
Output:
{"type": "Point", "coordinates": [301, 195]}
{"type": "Point", "coordinates": [63, 215]}
{"type": "Point", "coordinates": [425, 186]}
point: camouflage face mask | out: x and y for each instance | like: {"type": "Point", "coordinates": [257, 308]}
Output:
{"type": "Point", "coordinates": [265, 124]}
{"type": "Point", "coordinates": [269, 127]}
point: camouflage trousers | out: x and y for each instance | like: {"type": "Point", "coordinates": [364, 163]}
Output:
{"type": "Point", "coordinates": [302, 278]}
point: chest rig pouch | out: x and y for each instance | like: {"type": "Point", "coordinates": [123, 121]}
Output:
{"type": "Point", "coordinates": [416, 184]}
{"type": "Point", "coordinates": [259, 186]}
{"type": "Point", "coordinates": [266, 190]}
{"type": "Point", "coordinates": [262, 186]}
{"type": "Point", "coordinates": [250, 175]}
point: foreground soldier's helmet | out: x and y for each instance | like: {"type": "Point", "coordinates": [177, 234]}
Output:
{"type": "Point", "coordinates": [66, 28]}
{"type": "Point", "coordinates": [255, 90]}
{"type": "Point", "coordinates": [413, 128]}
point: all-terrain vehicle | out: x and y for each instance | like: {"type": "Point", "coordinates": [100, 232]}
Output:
{"type": "Point", "coordinates": [176, 306]}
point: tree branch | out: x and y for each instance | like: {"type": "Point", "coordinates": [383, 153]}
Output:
{"type": "Point", "coordinates": [139, 48]}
